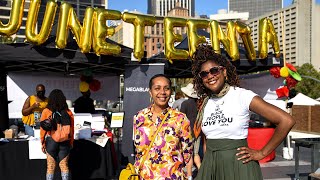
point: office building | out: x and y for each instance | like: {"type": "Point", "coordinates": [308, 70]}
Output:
{"type": "Point", "coordinates": [162, 7]}
{"type": "Point", "coordinates": [254, 7]}
{"type": "Point", "coordinates": [5, 9]}
{"type": "Point", "coordinates": [301, 32]}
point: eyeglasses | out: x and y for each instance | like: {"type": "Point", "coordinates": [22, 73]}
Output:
{"type": "Point", "coordinates": [213, 71]}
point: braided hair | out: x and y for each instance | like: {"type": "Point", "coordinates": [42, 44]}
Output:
{"type": "Point", "coordinates": [206, 53]}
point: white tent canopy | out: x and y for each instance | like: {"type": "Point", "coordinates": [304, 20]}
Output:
{"type": "Point", "coordinates": [301, 99]}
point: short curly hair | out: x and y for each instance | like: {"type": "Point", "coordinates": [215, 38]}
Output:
{"type": "Point", "coordinates": [206, 53]}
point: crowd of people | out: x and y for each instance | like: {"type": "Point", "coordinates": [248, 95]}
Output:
{"type": "Point", "coordinates": [202, 136]}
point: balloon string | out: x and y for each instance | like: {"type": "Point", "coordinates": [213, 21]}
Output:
{"type": "Point", "coordinates": [283, 39]}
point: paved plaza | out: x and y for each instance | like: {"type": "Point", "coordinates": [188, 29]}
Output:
{"type": "Point", "coordinates": [283, 169]}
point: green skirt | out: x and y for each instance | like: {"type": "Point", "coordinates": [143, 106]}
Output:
{"type": "Point", "coordinates": [220, 162]}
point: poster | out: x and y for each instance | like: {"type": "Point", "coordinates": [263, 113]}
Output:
{"type": "Point", "coordinates": [136, 97]}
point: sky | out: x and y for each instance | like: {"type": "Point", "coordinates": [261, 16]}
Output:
{"type": "Point", "coordinates": [202, 7]}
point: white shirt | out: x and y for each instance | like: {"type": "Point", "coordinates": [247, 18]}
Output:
{"type": "Point", "coordinates": [228, 117]}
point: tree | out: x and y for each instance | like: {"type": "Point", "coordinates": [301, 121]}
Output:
{"type": "Point", "coordinates": [7, 40]}
{"type": "Point", "coordinates": [310, 83]}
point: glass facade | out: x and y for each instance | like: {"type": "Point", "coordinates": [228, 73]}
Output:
{"type": "Point", "coordinates": [255, 7]}
{"type": "Point", "coordinates": [162, 7]}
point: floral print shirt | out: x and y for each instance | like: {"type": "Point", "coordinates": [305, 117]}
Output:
{"type": "Point", "coordinates": [172, 147]}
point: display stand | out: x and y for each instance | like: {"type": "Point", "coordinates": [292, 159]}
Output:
{"type": "Point", "coordinates": [116, 127]}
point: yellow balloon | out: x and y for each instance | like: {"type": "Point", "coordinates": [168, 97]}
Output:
{"type": "Point", "coordinates": [170, 38]}
{"type": "Point", "coordinates": [15, 20]}
{"type": "Point", "coordinates": [284, 72]}
{"type": "Point", "coordinates": [67, 20]}
{"type": "Point", "coordinates": [229, 41]}
{"type": "Point", "coordinates": [83, 86]}
{"type": "Point", "coordinates": [245, 31]}
{"type": "Point", "coordinates": [139, 22]}
{"type": "Point", "coordinates": [193, 37]}
{"type": "Point", "coordinates": [101, 31]}
{"type": "Point", "coordinates": [47, 23]}
{"type": "Point", "coordinates": [87, 31]}
{"type": "Point", "coordinates": [267, 35]}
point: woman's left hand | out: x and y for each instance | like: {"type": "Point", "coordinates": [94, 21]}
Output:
{"type": "Point", "coordinates": [246, 154]}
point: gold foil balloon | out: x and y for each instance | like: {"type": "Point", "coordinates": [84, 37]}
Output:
{"type": "Point", "coordinates": [284, 72]}
{"type": "Point", "coordinates": [139, 22]}
{"type": "Point", "coordinates": [47, 22]}
{"type": "Point", "coordinates": [15, 20]}
{"type": "Point", "coordinates": [87, 31]}
{"type": "Point", "coordinates": [170, 38]}
{"type": "Point", "coordinates": [193, 37]}
{"type": "Point", "coordinates": [229, 41]}
{"type": "Point", "coordinates": [267, 35]}
{"type": "Point", "coordinates": [245, 31]}
{"type": "Point", "coordinates": [67, 20]}
{"type": "Point", "coordinates": [101, 31]}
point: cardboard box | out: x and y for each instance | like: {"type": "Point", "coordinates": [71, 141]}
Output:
{"type": "Point", "coordinates": [307, 118]}
{"type": "Point", "coordinates": [8, 134]}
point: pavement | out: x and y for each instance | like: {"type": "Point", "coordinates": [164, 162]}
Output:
{"type": "Point", "coordinates": [284, 169]}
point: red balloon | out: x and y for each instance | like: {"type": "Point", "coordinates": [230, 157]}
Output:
{"type": "Point", "coordinates": [291, 67]}
{"type": "Point", "coordinates": [95, 85]}
{"type": "Point", "coordinates": [275, 71]}
{"type": "Point", "coordinates": [282, 92]}
{"type": "Point", "coordinates": [82, 78]}
{"type": "Point", "coordinates": [291, 82]}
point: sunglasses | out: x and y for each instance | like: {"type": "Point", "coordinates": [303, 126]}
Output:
{"type": "Point", "coordinates": [213, 71]}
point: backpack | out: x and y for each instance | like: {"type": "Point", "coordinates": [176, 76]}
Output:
{"type": "Point", "coordinates": [61, 126]}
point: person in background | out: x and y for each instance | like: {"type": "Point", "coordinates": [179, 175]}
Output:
{"type": "Point", "coordinates": [84, 104]}
{"type": "Point", "coordinates": [224, 119]}
{"type": "Point", "coordinates": [179, 98]}
{"type": "Point", "coordinates": [173, 146]}
{"type": "Point", "coordinates": [57, 143]}
{"type": "Point", "coordinates": [32, 109]}
{"type": "Point", "coordinates": [189, 107]}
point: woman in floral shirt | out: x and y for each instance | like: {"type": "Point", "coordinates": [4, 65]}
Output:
{"type": "Point", "coordinates": [172, 147]}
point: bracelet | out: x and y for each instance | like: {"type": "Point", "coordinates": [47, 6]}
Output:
{"type": "Point", "coordinates": [189, 177]}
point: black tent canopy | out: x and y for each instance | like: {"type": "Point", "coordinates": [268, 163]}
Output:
{"type": "Point", "coordinates": [25, 57]}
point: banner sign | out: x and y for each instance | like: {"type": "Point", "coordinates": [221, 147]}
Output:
{"type": "Point", "coordinates": [136, 97]}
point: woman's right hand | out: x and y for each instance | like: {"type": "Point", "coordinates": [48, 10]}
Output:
{"type": "Point", "coordinates": [44, 150]}
{"type": "Point", "coordinates": [35, 105]}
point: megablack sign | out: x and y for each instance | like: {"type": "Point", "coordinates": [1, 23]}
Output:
{"type": "Point", "coordinates": [136, 97]}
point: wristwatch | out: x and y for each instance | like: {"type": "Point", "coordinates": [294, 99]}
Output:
{"type": "Point", "coordinates": [189, 177]}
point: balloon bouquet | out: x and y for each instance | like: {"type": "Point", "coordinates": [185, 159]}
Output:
{"type": "Point", "coordinates": [292, 77]}
{"type": "Point", "coordinates": [88, 82]}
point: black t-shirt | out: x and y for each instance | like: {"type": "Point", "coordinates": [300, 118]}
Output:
{"type": "Point", "coordinates": [84, 105]}
{"type": "Point", "coordinates": [189, 107]}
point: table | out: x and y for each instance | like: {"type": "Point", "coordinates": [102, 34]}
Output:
{"type": "Point", "coordinates": [258, 138]}
{"type": "Point", "coordinates": [87, 161]}
{"type": "Point", "coordinates": [314, 144]}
